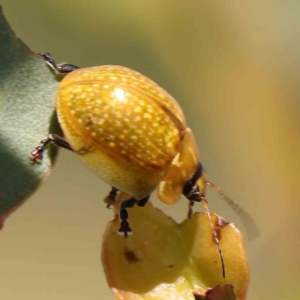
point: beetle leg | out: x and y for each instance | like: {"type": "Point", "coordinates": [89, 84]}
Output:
{"type": "Point", "coordinates": [124, 226]}
{"type": "Point", "coordinates": [143, 202]}
{"type": "Point", "coordinates": [37, 154]}
{"type": "Point", "coordinates": [111, 197]}
{"type": "Point", "coordinates": [190, 210]}
{"type": "Point", "coordinates": [65, 68]}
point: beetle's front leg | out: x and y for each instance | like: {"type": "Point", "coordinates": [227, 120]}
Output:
{"type": "Point", "coordinates": [37, 154]}
{"type": "Point", "coordinates": [143, 202]}
{"type": "Point", "coordinates": [124, 226]}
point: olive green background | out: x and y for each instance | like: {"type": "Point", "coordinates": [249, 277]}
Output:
{"type": "Point", "coordinates": [234, 68]}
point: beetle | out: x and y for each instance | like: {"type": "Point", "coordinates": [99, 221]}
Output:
{"type": "Point", "coordinates": [133, 135]}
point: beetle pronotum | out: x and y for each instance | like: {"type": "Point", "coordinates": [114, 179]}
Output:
{"type": "Point", "coordinates": [133, 135]}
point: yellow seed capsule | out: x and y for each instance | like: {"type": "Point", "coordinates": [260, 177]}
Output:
{"type": "Point", "coordinates": [127, 129]}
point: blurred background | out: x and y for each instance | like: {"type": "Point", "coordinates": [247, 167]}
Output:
{"type": "Point", "coordinates": [234, 68]}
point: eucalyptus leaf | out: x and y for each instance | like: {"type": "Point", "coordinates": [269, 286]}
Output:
{"type": "Point", "coordinates": [27, 114]}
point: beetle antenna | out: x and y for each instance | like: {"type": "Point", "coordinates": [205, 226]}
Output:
{"type": "Point", "coordinates": [205, 205]}
{"type": "Point", "coordinates": [249, 223]}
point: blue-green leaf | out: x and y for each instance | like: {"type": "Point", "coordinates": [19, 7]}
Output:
{"type": "Point", "coordinates": [27, 103]}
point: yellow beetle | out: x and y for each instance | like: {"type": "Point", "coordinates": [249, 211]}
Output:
{"type": "Point", "coordinates": [131, 133]}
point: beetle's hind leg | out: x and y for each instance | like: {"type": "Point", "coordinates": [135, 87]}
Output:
{"type": "Point", "coordinates": [37, 154]}
{"type": "Point", "coordinates": [124, 226]}
{"type": "Point", "coordinates": [65, 68]}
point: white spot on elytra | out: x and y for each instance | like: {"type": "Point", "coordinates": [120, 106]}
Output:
{"type": "Point", "coordinates": [120, 95]}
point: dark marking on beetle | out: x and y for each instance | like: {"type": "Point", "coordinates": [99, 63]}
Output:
{"type": "Point", "coordinates": [131, 256]}
{"type": "Point", "coordinates": [171, 266]}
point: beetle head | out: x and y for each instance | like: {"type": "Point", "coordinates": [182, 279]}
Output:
{"type": "Point", "coordinates": [195, 188]}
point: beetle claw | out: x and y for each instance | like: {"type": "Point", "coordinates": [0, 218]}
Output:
{"type": "Point", "coordinates": [36, 156]}
{"type": "Point", "coordinates": [124, 229]}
